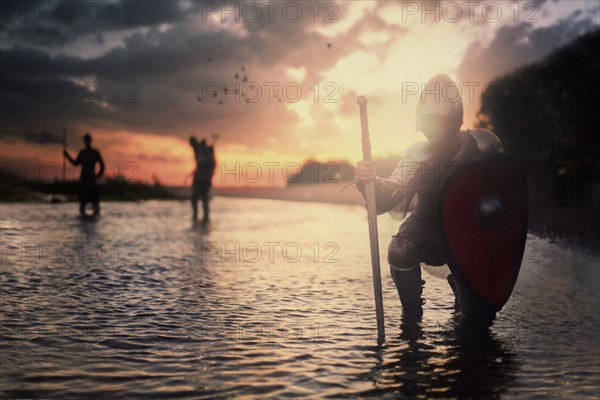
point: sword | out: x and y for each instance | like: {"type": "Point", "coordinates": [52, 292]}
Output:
{"type": "Point", "coordinates": [372, 218]}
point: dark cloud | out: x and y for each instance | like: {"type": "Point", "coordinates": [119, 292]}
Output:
{"type": "Point", "coordinates": [150, 80]}
{"type": "Point", "coordinates": [44, 137]}
{"type": "Point", "coordinates": [519, 45]}
{"type": "Point", "coordinates": [57, 23]}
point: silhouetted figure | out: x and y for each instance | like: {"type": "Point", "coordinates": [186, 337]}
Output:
{"type": "Point", "coordinates": [88, 188]}
{"type": "Point", "coordinates": [205, 169]}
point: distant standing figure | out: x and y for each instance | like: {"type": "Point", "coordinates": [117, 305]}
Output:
{"type": "Point", "coordinates": [88, 189]}
{"type": "Point", "coordinates": [205, 169]}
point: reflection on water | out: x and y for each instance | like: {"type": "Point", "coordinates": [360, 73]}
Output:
{"type": "Point", "coordinates": [271, 299]}
{"type": "Point", "coordinates": [455, 360]}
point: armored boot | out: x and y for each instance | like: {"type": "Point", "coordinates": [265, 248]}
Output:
{"type": "Point", "coordinates": [409, 285]}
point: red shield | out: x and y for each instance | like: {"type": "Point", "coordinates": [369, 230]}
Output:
{"type": "Point", "coordinates": [484, 211]}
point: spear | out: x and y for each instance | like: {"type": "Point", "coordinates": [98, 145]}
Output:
{"type": "Point", "coordinates": [64, 171]}
{"type": "Point", "coordinates": [372, 218]}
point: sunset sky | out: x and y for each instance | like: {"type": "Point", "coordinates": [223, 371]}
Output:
{"type": "Point", "coordinates": [140, 76]}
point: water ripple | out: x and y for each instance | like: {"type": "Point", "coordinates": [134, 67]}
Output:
{"type": "Point", "coordinates": [143, 304]}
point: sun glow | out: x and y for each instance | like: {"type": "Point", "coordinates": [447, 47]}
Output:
{"type": "Point", "coordinates": [370, 48]}
{"type": "Point", "coordinates": [389, 81]}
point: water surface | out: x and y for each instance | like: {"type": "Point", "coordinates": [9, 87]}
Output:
{"type": "Point", "coordinates": [273, 299]}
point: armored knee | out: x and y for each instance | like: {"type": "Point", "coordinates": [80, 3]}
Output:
{"type": "Point", "coordinates": [403, 254]}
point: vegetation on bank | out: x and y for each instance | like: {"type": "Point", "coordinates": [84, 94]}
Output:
{"type": "Point", "coordinates": [547, 114]}
{"type": "Point", "coordinates": [17, 188]}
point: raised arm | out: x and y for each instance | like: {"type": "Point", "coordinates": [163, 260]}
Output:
{"type": "Point", "coordinates": [101, 162]}
{"type": "Point", "coordinates": [74, 162]}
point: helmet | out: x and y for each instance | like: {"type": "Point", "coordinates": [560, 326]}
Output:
{"type": "Point", "coordinates": [440, 96]}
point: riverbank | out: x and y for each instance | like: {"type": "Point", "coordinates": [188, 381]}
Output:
{"type": "Point", "coordinates": [15, 189]}
{"type": "Point", "coordinates": [567, 224]}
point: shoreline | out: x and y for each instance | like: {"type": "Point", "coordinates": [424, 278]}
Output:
{"type": "Point", "coordinates": [544, 220]}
